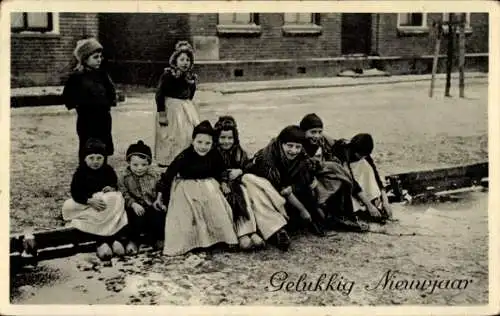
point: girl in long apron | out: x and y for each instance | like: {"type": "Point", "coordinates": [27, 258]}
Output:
{"type": "Point", "coordinates": [284, 163]}
{"type": "Point", "coordinates": [258, 209]}
{"type": "Point", "coordinates": [198, 214]}
{"type": "Point", "coordinates": [177, 115]}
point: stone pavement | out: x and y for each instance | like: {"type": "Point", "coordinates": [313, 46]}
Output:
{"type": "Point", "coordinates": [210, 93]}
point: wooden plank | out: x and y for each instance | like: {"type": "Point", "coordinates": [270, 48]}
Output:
{"type": "Point", "coordinates": [440, 179]}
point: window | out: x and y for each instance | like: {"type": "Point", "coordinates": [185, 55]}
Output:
{"type": "Point", "coordinates": [301, 23]}
{"type": "Point", "coordinates": [468, 28]}
{"type": "Point", "coordinates": [236, 18]}
{"type": "Point", "coordinates": [299, 18]}
{"type": "Point", "coordinates": [238, 23]}
{"type": "Point", "coordinates": [412, 23]}
{"type": "Point", "coordinates": [412, 20]}
{"type": "Point", "coordinates": [33, 22]}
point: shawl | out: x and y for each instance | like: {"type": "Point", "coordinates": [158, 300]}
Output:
{"type": "Point", "coordinates": [272, 164]}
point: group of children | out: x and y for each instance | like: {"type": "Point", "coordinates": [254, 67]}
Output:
{"type": "Point", "coordinates": [211, 191]}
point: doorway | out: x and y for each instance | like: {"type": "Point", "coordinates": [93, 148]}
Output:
{"type": "Point", "coordinates": [356, 33]}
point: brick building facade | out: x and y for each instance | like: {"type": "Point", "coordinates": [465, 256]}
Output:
{"type": "Point", "coordinates": [245, 46]}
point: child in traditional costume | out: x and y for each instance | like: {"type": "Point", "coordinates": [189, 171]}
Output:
{"type": "Point", "coordinates": [258, 209]}
{"type": "Point", "coordinates": [95, 206]}
{"type": "Point", "coordinates": [198, 214]}
{"type": "Point", "coordinates": [138, 186]}
{"type": "Point", "coordinates": [335, 183]}
{"type": "Point", "coordinates": [370, 199]}
{"type": "Point", "coordinates": [177, 114]}
{"type": "Point", "coordinates": [90, 91]}
{"type": "Point", "coordinates": [284, 163]}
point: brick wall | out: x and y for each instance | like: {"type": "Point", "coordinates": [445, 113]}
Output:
{"type": "Point", "coordinates": [45, 59]}
{"type": "Point", "coordinates": [271, 43]}
{"type": "Point", "coordinates": [393, 44]}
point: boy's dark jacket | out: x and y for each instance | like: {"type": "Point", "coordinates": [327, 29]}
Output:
{"type": "Point", "coordinates": [89, 91]}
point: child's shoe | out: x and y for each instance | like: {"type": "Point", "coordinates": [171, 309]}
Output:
{"type": "Point", "coordinates": [118, 249]}
{"type": "Point", "coordinates": [257, 241]}
{"type": "Point", "coordinates": [104, 252]}
{"type": "Point", "coordinates": [282, 240]}
{"type": "Point", "coordinates": [245, 242]}
{"type": "Point", "coordinates": [131, 248]}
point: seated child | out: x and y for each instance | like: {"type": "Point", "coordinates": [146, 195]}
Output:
{"type": "Point", "coordinates": [258, 209]}
{"type": "Point", "coordinates": [198, 214]}
{"type": "Point", "coordinates": [335, 183]}
{"type": "Point", "coordinates": [286, 166]}
{"type": "Point", "coordinates": [370, 202]}
{"type": "Point", "coordinates": [96, 207]}
{"type": "Point", "coordinates": [138, 186]}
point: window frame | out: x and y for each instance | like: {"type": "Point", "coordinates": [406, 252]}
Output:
{"type": "Point", "coordinates": [412, 29]}
{"type": "Point", "coordinates": [52, 29]}
{"type": "Point", "coordinates": [251, 28]}
{"type": "Point", "coordinates": [312, 28]}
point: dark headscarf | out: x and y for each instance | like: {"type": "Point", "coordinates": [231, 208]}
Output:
{"type": "Point", "coordinates": [362, 144]}
{"type": "Point", "coordinates": [292, 134]}
{"type": "Point", "coordinates": [272, 163]}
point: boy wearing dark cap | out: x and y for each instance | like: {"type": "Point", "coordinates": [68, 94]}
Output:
{"type": "Point", "coordinates": [138, 186]}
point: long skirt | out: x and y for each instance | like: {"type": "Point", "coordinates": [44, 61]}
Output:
{"type": "Point", "coordinates": [171, 140]}
{"type": "Point", "coordinates": [365, 176]}
{"type": "Point", "coordinates": [198, 216]}
{"type": "Point", "coordinates": [265, 207]}
{"type": "Point", "coordinates": [101, 223]}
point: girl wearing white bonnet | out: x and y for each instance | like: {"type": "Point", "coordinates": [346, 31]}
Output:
{"type": "Point", "coordinates": [177, 115]}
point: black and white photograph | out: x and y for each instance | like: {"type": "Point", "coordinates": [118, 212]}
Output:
{"type": "Point", "coordinates": [250, 156]}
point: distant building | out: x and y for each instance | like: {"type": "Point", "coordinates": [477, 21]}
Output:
{"type": "Point", "coordinates": [240, 46]}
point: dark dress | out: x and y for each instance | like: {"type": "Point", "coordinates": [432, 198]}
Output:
{"type": "Point", "coordinates": [92, 93]}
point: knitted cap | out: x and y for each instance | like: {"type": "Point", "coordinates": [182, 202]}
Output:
{"type": "Point", "coordinates": [95, 146]}
{"type": "Point", "coordinates": [182, 47]}
{"type": "Point", "coordinates": [203, 128]}
{"type": "Point", "coordinates": [85, 48]}
{"type": "Point", "coordinates": [292, 134]}
{"type": "Point", "coordinates": [140, 149]}
{"type": "Point", "coordinates": [362, 144]}
{"type": "Point", "coordinates": [311, 121]}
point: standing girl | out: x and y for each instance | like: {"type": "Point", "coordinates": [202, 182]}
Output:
{"type": "Point", "coordinates": [91, 92]}
{"type": "Point", "coordinates": [258, 209]}
{"type": "Point", "coordinates": [198, 214]}
{"type": "Point", "coordinates": [177, 115]}
{"type": "Point", "coordinates": [284, 163]}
